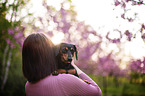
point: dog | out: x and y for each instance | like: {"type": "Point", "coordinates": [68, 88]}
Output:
{"type": "Point", "coordinates": [64, 54]}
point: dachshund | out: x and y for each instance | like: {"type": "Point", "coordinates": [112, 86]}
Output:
{"type": "Point", "coordinates": [64, 54]}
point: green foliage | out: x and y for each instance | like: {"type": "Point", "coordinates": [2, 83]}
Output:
{"type": "Point", "coordinates": [137, 78]}
{"type": "Point", "coordinates": [124, 88]}
{"type": "Point", "coordinates": [16, 81]}
{"type": "Point", "coordinates": [15, 85]}
{"type": "Point", "coordinates": [133, 90]}
{"type": "Point", "coordinates": [4, 25]}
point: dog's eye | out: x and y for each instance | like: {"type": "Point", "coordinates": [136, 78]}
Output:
{"type": "Point", "coordinates": [71, 49]}
{"type": "Point", "coordinates": [65, 50]}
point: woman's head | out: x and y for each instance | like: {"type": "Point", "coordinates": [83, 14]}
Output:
{"type": "Point", "coordinates": [38, 59]}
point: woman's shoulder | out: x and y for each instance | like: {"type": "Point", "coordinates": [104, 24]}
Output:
{"type": "Point", "coordinates": [51, 78]}
{"type": "Point", "coordinates": [69, 79]}
{"type": "Point", "coordinates": [66, 76]}
{"type": "Point", "coordinates": [63, 78]}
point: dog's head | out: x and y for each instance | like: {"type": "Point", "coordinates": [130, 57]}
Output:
{"type": "Point", "coordinates": [66, 52]}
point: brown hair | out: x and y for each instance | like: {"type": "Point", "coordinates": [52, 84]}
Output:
{"type": "Point", "coordinates": [38, 58]}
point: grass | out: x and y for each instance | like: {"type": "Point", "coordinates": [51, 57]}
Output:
{"type": "Point", "coordinates": [118, 87]}
{"type": "Point", "coordinates": [133, 90]}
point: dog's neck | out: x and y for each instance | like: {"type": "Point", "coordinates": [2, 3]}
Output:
{"type": "Point", "coordinates": [62, 65]}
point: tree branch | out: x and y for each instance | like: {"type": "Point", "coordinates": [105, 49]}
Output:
{"type": "Point", "coordinates": [7, 69]}
{"type": "Point", "coordinates": [4, 59]}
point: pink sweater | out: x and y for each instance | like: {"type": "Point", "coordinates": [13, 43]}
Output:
{"type": "Point", "coordinates": [63, 85]}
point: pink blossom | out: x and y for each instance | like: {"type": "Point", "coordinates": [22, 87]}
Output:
{"type": "Point", "coordinates": [143, 36]}
{"type": "Point", "coordinates": [140, 2]}
{"type": "Point", "coordinates": [8, 41]}
{"type": "Point", "coordinates": [143, 26]}
{"type": "Point", "coordinates": [128, 34]}
{"type": "Point", "coordinates": [134, 3]}
{"type": "Point", "coordinates": [137, 66]}
{"type": "Point", "coordinates": [117, 3]}
{"type": "Point", "coordinates": [116, 41]}
{"type": "Point", "coordinates": [12, 45]}
{"type": "Point", "coordinates": [18, 35]}
{"type": "Point", "coordinates": [127, 0]}
{"type": "Point", "coordinates": [63, 12]}
{"type": "Point", "coordinates": [124, 5]}
{"type": "Point", "coordinates": [130, 19]}
{"type": "Point", "coordinates": [143, 61]}
{"type": "Point", "coordinates": [10, 31]}
{"type": "Point", "coordinates": [123, 16]}
{"type": "Point", "coordinates": [16, 28]}
{"type": "Point", "coordinates": [54, 19]}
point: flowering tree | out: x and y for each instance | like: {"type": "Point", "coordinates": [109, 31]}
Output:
{"type": "Point", "coordinates": [14, 40]}
{"type": "Point", "coordinates": [64, 21]}
{"type": "Point", "coordinates": [76, 32]}
{"type": "Point", "coordinates": [11, 36]}
{"type": "Point", "coordinates": [137, 68]}
{"type": "Point", "coordinates": [123, 4]}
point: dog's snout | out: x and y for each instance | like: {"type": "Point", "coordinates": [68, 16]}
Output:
{"type": "Point", "coordinates": [69, 56]}
{"type": "Point", "coordinates": [69, 59]}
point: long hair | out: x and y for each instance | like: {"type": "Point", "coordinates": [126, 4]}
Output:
{"type": "Point", "coordinates": [38, 58]}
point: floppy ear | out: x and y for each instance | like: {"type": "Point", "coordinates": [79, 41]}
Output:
{"type": "Point", "coordinates": [57, 48]}
{"type": "Point", "coordinates": [76, 52]}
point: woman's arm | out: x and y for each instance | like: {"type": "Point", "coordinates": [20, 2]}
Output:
{"type": "Point", "coordinates": [77, 87]}
{"type": "Point", "coordinates": [77, 69]}
{"type": "Point", "coordinates": [82, 75]}
{"type": "Point", "coordinates": [74, 86]}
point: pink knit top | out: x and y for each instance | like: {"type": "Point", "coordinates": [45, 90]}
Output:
{"type": "Point", "coordinates": [63, 85]}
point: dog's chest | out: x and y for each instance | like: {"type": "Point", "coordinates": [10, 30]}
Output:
{"type": "Point", "coordinates": [65, 66]}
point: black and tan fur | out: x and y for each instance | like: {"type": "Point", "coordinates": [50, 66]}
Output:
{"type": "Point", "coordinates": [64, 54]}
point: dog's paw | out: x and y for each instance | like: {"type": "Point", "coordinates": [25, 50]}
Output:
{"type": "Point", "coordinates": [55, 73]}
{"type": "Point", "coordinates": [61, 71]}
{"type": "Point", "coordinates": [87, 81]}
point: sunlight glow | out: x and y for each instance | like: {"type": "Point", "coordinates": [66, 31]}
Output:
{"type": "Point", "coordinates": [105, 19]}
{"type": "Point", "coordinates": [137, 48]}
{"type": "Point", "coordinates": [93, 12]}
{"type": "Point", "coordinates": [114, 35]}
{"type": "Point", "coordinates": [55, 3]}
{"type": "Point", "coordinates": [123, 65]}
{"type": "Point", "coordinates": [103, 16]}
{"type": "Point", "coordinates": [57, 38]}
{"type": "Point", "coordinates": [94, 57]}
{"type": "Point", "coordinates": [93, 38]}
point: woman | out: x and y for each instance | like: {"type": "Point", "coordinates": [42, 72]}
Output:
{"type": "Point", "coordinates": [39, 64]}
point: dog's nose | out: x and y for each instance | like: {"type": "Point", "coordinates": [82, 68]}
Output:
{"type": "Point", "coordinates": [69, 59]}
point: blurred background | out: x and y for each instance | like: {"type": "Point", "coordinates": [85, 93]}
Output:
{"type": "Point", "coordinates": [109, 35]}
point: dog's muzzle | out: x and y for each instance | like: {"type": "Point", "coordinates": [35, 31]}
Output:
{"type": "Point", "coordinates": [69, 56]}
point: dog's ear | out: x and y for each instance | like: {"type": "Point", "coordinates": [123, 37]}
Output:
{"type": "Point", "coordinates": [57, 48]}
{"type": "Point", "coordinates": [76, 52]}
